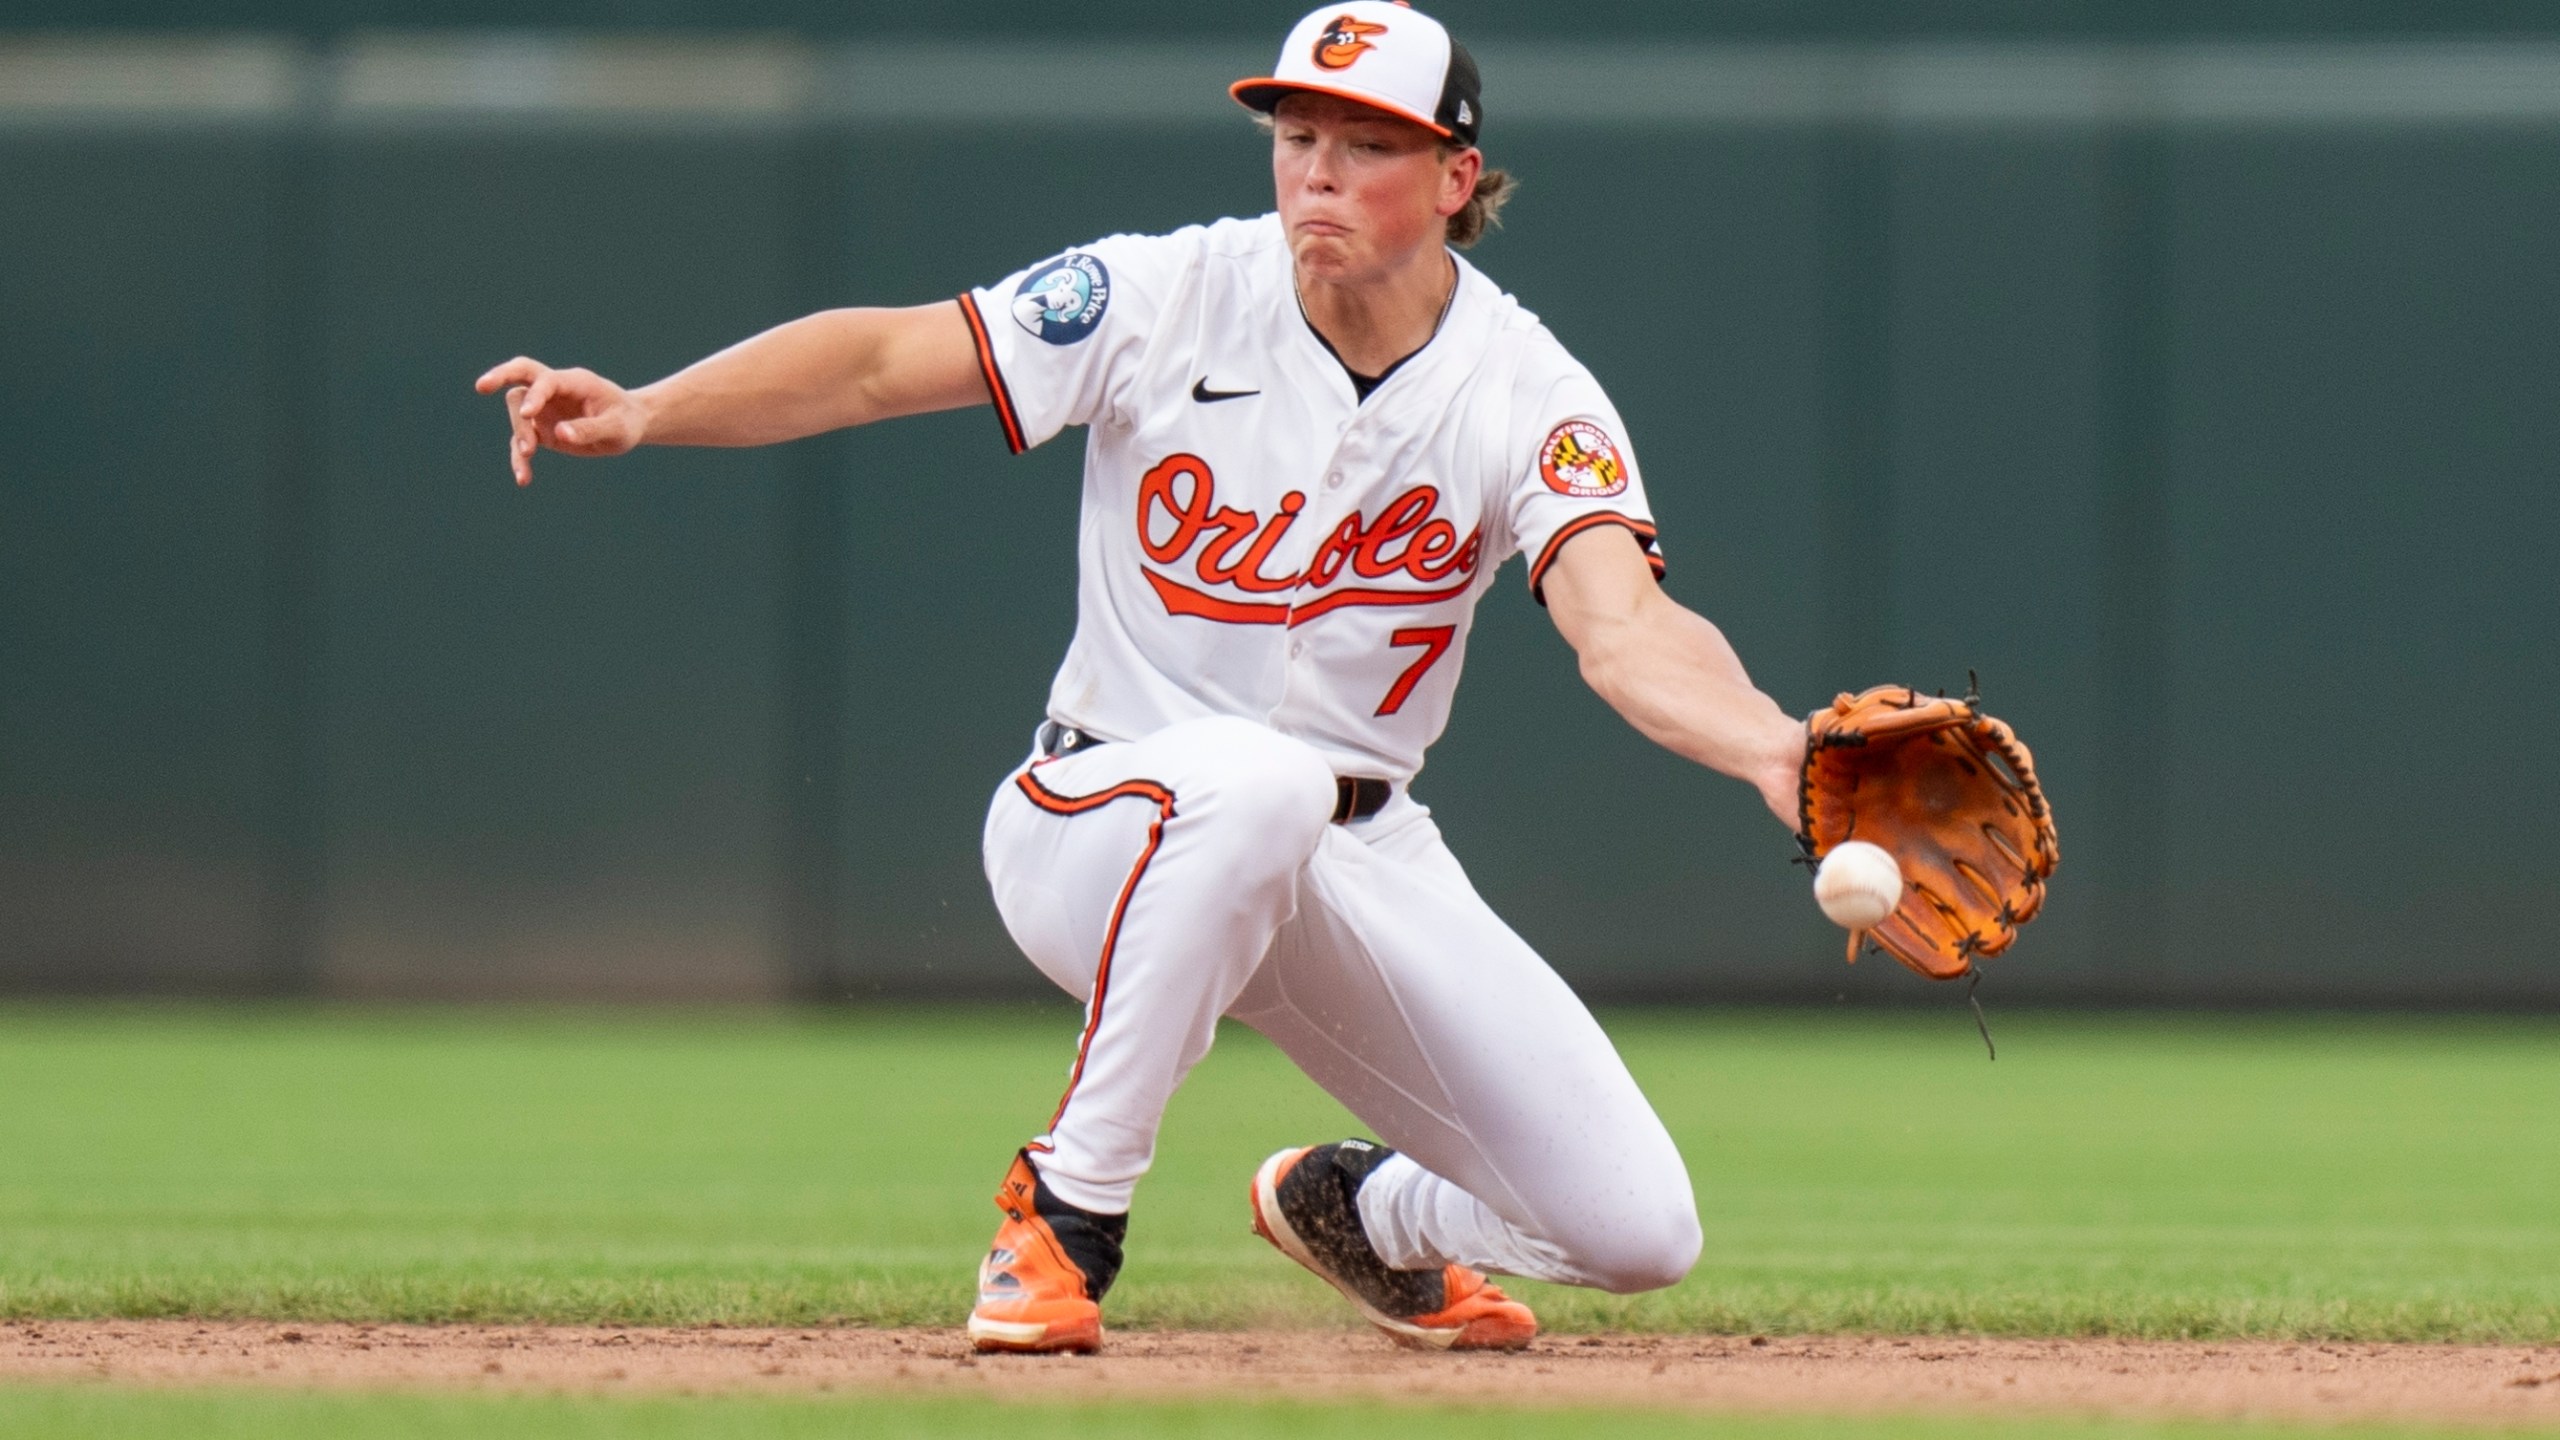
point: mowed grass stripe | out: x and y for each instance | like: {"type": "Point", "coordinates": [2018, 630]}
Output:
{"type": "Point", "coordinates": [2345, 1178]}
{"type": "Point", "coordinates": [103, 1413]}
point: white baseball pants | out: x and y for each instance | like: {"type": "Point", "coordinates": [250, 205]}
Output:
{"type": "Point", "coordinates": [1195, 873]}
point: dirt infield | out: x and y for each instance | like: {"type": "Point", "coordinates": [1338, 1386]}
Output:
{"type": "Point", "coordinates": [1830, 1374]}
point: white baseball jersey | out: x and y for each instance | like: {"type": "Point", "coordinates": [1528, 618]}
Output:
{"type": "Point", "coordinates": [1256, 540]}
{"type": "Point", "coordinates": [1276, 582]}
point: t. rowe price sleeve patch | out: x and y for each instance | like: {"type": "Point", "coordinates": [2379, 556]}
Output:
{"type": "Point", "coordinates": [1061, 301]}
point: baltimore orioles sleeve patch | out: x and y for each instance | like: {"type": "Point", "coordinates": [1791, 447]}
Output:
{"type": "Point", "coordinates": [1579, 459]}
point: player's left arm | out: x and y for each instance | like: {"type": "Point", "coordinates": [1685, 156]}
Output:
{"type": "Point", "coordinates": [1667, 669]}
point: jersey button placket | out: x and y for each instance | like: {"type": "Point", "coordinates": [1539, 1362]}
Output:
{"type": "Point", "coordinates": [1297, 648]}
{"type": "Point", "coordinates": [1333, 480]}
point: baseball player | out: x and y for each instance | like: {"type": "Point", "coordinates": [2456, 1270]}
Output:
{"type": "Point", "coordinates": [1312, 439]}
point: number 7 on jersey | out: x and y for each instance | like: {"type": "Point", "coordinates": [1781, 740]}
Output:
{"type": "Point", "coordinates": [1434, 640]}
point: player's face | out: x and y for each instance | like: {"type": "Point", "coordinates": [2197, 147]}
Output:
{"type": "Point", "coordinates": [1360, 190]}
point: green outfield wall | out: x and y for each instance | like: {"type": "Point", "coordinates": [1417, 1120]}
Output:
{"type": "Point", "coordinates": [2199, 396]}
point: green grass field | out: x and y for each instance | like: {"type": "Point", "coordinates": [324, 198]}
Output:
{"type": "Point", "coordinates": [2167, 1176]}
{"type": "Point", "coordinates": [96, 1413]}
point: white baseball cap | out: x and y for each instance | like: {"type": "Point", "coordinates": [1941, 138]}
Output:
{"type": "Point", "coordinates": [1382, 53]}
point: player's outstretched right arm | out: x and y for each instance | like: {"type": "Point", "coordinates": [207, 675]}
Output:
{"type": "Point", "coordinates": [1668, 670]}
{"type": "Point", "coordinates": [818, 373]}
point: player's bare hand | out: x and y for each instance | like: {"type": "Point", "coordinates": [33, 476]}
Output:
{"type": "Point", "coordinates": [576, 412]}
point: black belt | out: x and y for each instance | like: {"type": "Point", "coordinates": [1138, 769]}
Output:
{"type": "Point", "coordinates": [1355, 797]}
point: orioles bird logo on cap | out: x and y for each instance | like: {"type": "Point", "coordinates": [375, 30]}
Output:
{"type": "Point", "coordinates": [1344, 41]}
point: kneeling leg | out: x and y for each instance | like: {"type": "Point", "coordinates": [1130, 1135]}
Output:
{"type": "Point", "coordinates": [1526, 1147]}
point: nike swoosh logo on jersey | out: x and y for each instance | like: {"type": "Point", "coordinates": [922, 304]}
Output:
{"type": "Point", "coordinates": [1201, 392]}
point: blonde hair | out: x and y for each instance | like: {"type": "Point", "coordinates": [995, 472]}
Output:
{"type": "Point", "coordinates": [1483, 210]}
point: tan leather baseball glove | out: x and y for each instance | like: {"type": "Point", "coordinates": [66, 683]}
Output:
{"type": "Point", "coordinates": [1951, 794]}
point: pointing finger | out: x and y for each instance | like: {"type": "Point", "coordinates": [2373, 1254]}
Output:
{"type": "Point", "coordinates": [511, 372]}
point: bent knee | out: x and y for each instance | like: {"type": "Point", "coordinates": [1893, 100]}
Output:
{"type": "Point", "coordinates": [1268, 789]}
{"type": "Point", "coordinates": [1648, 1249]}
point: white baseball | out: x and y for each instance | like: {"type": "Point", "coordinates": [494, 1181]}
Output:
{"type": "Point", "coordinates": [1858, 885]}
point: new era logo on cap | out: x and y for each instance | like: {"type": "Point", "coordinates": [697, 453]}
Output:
{"type": "Point", "coordinates": [1381, 53]}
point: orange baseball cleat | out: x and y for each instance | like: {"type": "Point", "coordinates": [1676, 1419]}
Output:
{"type": "Point", "coordinates": [1040, 1288]}
{"type": "Point", "coordinates": [1304, 1202]}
